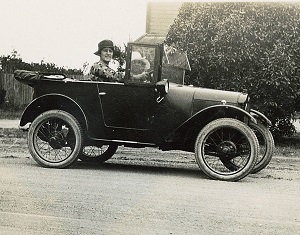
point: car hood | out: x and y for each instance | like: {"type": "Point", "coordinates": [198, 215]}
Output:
{"type": "Point", "coordinates": [205, 94]}
{"type": "Point", "coordinates": [188, 100]}
{"type": "Point", "coordinates": [220, 95]}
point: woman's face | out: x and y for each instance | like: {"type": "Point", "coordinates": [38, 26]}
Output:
{"type": "Point", "coordinates": [137, 67]}
{"type": "Point", "coordinates": [106, 55]}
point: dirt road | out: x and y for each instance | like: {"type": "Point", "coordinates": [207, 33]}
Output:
{"type": "Point", "coordinates": [142, 191]}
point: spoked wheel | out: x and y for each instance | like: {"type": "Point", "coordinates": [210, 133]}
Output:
{"type": "Point", "coordinates": [98, 154]}
{"type": "Point", "coordinates": [226, 149]}
{"type": "Point", "coordinates": [266, 146]}
{"type": "Point", "coordinates": [55, 139]}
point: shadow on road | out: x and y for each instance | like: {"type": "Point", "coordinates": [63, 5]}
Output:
{"type": "Point", "coordinates": [144, 169]}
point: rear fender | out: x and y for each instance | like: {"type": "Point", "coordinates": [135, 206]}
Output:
{"type": "Point", "coordinates": [50, 102]}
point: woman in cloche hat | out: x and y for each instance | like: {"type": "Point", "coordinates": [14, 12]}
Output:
{"type": "Point", "coordinates": [100, 71]}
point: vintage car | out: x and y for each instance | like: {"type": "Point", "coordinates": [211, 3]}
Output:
{"type": "Point", "coordinates": [70, 119]}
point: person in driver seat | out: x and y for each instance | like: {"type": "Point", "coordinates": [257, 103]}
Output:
{"type": "Point", "coordinates": [139, 67]}
{"type": "Point", "coordinates": [100, 71]}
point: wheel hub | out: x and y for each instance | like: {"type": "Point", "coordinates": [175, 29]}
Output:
{"type": "Point", "coordinates": [57, 140]}
{"type": "Point", "coordinates": [227, 148]}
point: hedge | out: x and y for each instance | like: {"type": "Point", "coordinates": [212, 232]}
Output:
{"type": "Point", "coordinates": [245, 46]}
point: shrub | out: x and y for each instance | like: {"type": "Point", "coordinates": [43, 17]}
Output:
{"type": "Point", "coordinates": [10, 63]}
{"type": "Point", "coordinates": [245, 46]}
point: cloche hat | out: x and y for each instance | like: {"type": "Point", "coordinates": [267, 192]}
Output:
{"type": "Point", "coordinates": [104, 44]}
{"type": "Point", "coordinates": [136, 56]}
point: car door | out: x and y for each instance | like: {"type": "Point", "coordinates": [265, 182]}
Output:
{"type": "Point", "coordinates": [127, 106]}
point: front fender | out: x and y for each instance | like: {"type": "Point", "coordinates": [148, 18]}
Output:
{"type": "Point", "coordinates": [261, 117]}
{"type": "Point", "coordinates": [229, 111]}
{"type": "Point", "coordinates": [184, 136]}
{"type": "Point", "coordinates": [49, 102]}
{"type": "Point", "coordinates": [203, 117]}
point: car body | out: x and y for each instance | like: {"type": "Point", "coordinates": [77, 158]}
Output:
{"type": "Point", "coordinates": [149, 113]}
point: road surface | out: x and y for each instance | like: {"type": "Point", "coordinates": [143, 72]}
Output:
{"type": "Point", "coordinates": [142, 191]}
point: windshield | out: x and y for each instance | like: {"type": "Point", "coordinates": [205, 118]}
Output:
{"type": "Point", "coordinates": [175, 63]}
{"type": "Point", "coordinates": [176, 58]}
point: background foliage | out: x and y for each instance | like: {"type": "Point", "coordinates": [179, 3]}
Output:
{"type": "Point", "coordinates": [252, 46]}
{"type": "Point", "coordinates": [120, 56]}
{"type": "Point", "coordinates": [12, 62]}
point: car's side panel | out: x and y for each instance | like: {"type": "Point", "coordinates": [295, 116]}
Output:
{"type": "Point", "coordinates": [172, 111]}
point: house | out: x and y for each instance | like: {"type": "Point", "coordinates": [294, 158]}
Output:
{"type": "Point", "coordinates": [160, 16]}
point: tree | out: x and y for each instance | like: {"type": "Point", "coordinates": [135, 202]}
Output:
{"type": "Point", "coordinates": [12, 62]}
{"type": "Point", "coordinates": [245, 46]}
{"type": "Point", "coordinates": [120, 56]}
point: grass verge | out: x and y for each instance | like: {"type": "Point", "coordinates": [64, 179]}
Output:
{"type": "Point", "coordinates": [288, 146]}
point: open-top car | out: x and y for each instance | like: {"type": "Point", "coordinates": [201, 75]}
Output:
{"type": "Point", "coordinates": [70, 119]}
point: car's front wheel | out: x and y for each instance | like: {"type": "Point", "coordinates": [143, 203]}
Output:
{"type": "Point", "coordinates": [55, 139]}
{"type": "Point", "coordinates": [226, 149]}
{"type": "Point", "coordinates": [98, 154]}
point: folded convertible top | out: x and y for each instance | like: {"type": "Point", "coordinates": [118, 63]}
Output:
{"type": "Point", "coordinates": [30, 77]}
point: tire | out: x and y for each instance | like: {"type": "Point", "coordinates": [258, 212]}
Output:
{"type": "Point", "coordinates": [98, 154]}
{"type": "Point", "coordinates": [226, 149]}
{"type": "Point", "coordinates": [266, 146]}
{"type": "Point", "coordinates": [55, 139]}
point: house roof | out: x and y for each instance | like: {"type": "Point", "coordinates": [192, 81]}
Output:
{"type": "Point", "coordinates": [151, 39]}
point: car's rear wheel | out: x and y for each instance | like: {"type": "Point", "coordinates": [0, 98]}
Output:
{"type": "Point", "coordinates": [223, 143]}
{"type": "Point", "coordinates": [98, 154]}
{"type": "Point", "coordinates": [266, 146]}
{"type": "Point", "coordinates": [55, 139]}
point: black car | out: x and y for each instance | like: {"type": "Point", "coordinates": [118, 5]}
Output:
{"type": "Point", "coordinates": [85, 119]}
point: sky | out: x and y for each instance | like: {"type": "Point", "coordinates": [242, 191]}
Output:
{"type": "Point", "coordinates": [67, 32]}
